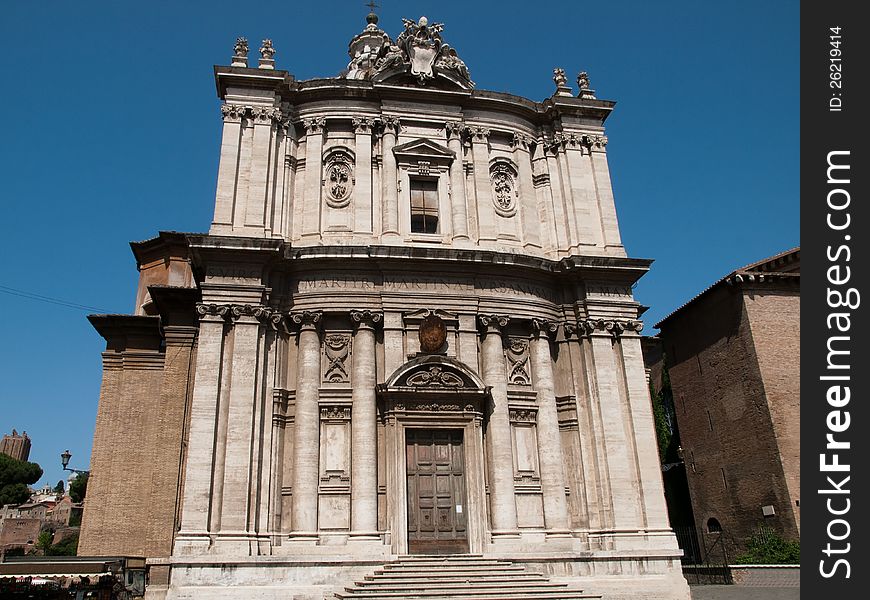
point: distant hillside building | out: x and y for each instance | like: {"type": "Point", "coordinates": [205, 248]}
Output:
{"type": "Point", "coordinates": [16, 445]}
{"type": "Point", "coordinates": [733, 355]}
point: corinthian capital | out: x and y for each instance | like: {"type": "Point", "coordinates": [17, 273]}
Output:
{"type": "Point", "coordinates": [306, 319]}
{"type": "Point", "coordinates": [266, 114]}
{"type": "Point", "coordinates": [314, 125]}
{"type": "Point", "coordinates": [454, 129]}
{"type": "Point", "coordinates": [390, 123]}
{"type": "Point", "coordinates": [612, 327]}
{"type": "Point", "coordinates": [479, 134]}
{"type": "Point", "coordinates": [599, 142]}
{"type": "Point", "coordinates": [365, 319]}
{"type": "Point", "coordinates": [232, 113]}
{"type": "Point", "coordinates": [362, 124]}
{"type": "Point", "coordinates": [520, 140]}
{"type": "Point", "coordinates": [544, 327]}
{"type": "Point", "coordinates": [493, 322]}
{"type": "Point", "coordinates": [219, 311]}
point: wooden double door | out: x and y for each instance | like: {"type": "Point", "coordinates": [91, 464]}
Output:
{"type": "Point", "coordinates": [437, 514]}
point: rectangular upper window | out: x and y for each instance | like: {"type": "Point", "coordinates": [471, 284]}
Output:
{"type": "Point", "coordinates": [424, 206]}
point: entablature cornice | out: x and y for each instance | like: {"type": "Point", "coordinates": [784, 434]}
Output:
{"type": "Point", "coordinates": [538, 113]}
{"type": "Point", "coordinates": [253, 258]}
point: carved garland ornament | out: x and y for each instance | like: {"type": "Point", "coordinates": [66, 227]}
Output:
{"type": "Point", "coordinates": [435, 376]}
{"type": "Point", "coordinates": [504, 188]}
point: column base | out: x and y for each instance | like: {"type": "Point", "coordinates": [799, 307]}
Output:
{"type": "Point", "coordinates": [307, 538]}
{"type": "Point", "coordinates": [559, 533]}
{"type": "Point", "coordinates": [189, 543]}
{"type": "Point", "coordinates": [505, 534]}
{"type": "Point", "coordinates": [364, 536]}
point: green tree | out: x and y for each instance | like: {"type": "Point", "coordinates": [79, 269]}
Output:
{"type": "Point", "coordinates": [78, 487]}
{"type": "Point", "coordinates": [59, 488]}
{"type": "Point", "coordinates": [43, 542]}
{"type": "Point", "coordinates": [767, 547]}
{"type": "Point", "coordinates": [68, 546]}
{"type": "Point", "coordinates": [663, 430]}
{"type": "Point", "coordinates": [15, 476]}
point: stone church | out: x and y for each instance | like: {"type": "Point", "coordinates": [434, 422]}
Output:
{"type": "Point", "coordinates": [406, 353]}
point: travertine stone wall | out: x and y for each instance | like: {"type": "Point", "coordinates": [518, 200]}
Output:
{"type": "Point", "coordinates": [530, 180]}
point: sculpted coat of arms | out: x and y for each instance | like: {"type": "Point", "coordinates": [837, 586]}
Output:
{"type": "Point", "coordinates": [421, 42]}
{"type": "Point", "coordinates": [421, 50]}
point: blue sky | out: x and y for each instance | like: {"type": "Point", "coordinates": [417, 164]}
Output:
{"type": "Point", "coordinates": [111, 132]}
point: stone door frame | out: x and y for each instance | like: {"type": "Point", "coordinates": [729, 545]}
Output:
{"type": "Point", "coordinates": [434, 392]}
{"type": "Point", "coordinates": [397, 474]}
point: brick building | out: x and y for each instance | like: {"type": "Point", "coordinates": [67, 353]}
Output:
{"type": "Point", "coordinates": [733, 355]}
{"type": "Point", "coordinates": [16, 445]}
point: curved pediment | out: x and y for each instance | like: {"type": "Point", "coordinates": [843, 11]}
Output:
{"type": "Point", "coordinates": [435, 373]}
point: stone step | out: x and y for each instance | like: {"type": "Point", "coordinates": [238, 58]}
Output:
{"type": "Point", "coordinates": [471, 594]}
{"type": "Point", "coordinates": [475, 595]}
{"type": "Point", "coordinates": [437, 576]}
{"type": "Point", "coordinates": [458, 577]}
{"type": "Point", "coordinates": [496, 566]}
{"type": "Point", "coordinates": [419, 564]}
{"type": "Point", "coordinates": [425, 557]}
{"type": "Point", "coordinates": [455, 585]}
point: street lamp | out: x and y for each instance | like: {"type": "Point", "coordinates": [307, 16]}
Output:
{"type": "Point", "coordinates": [64, 460]}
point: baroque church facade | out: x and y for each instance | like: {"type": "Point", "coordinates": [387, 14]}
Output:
{"type": "Point", "coordinates": [408, 331]}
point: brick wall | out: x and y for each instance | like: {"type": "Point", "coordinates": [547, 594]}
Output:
{"type": "Point", "coordinates": [729, 440]}
{"type": "Point", "coordinates": [774, 318]}
{"type": "Point", "coordinates": [136, 463]}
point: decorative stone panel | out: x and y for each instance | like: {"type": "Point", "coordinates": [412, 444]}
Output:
{"type": "Point", "coordinates": [335, 447]}
{"type": "Point", "coordinates": [517, 353]}
{"type": "Point", "coordinates": [338, 177]}
{"type": "Point", "coordinates": [336, 352]}
{"type": "Point", "coordinates": [505, 192]}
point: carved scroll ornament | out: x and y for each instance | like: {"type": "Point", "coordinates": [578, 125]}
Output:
{"type": "Point", "coordinates": [434, 376]}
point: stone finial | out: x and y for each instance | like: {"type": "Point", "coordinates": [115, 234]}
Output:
{"type": "Point", "coordinates": [240, 53]}
{"type": "Point", "coordinates": [372, 17]}
{"type": "Point", "coordinates": [583, 83]}
{"type": "Point", "coordinates": [267, 54]}
{"type": "Point", "coordinates": [561, 82]}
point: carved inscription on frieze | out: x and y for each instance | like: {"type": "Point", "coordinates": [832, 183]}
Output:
{"type": "Point", "coordinates": [233, 272]}
{"type": "Point", "coordinates": [411, 283]}
{"type": "Point", "coordinates": [608, 291]}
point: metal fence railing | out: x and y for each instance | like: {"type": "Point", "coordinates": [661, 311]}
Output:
{"type": "Point", "coordinates": [707, 564]}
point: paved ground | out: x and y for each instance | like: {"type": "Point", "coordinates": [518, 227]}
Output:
{"type": "Point", "coordinates": [741, 592]}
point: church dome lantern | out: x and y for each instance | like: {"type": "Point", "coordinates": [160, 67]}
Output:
{"type": "Point", "coordinates": [365, 48]}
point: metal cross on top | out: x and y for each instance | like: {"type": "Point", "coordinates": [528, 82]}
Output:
{"type": "Point", "coordinates": [372, 6]}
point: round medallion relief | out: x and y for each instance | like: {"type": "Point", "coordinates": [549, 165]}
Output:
{"type": "Point", "coordinates": [433, 334]}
